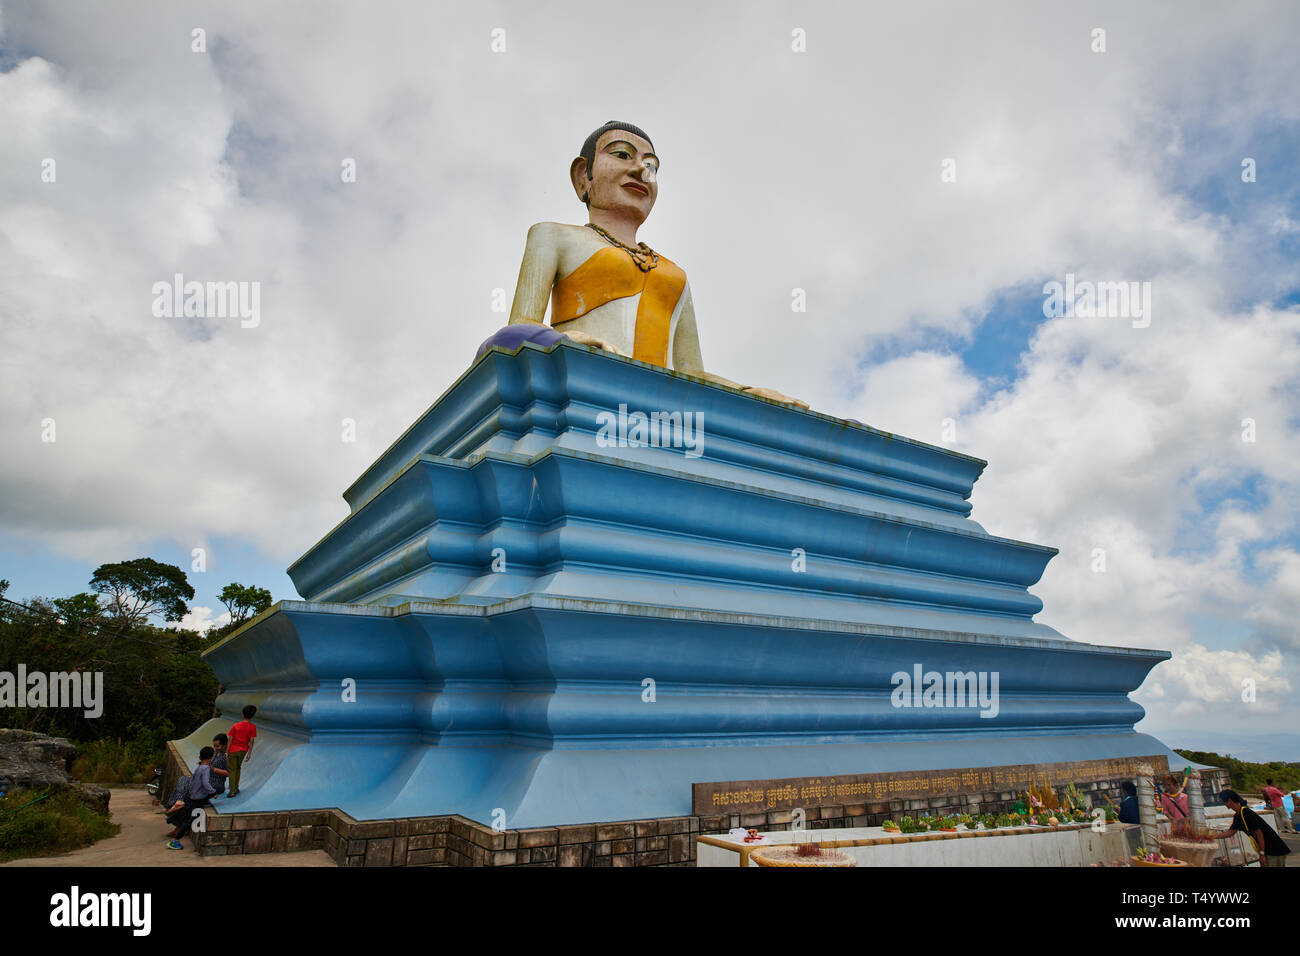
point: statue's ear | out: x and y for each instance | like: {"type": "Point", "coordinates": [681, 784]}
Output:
{"type": "Point", "coordinates": [578, 177]}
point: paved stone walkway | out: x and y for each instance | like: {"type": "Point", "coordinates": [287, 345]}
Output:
{"type": "Point", "coordinates": [143, 842]}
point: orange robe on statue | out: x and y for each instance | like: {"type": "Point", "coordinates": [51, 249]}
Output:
{"type": "Point", "coordinates": [611, 274]}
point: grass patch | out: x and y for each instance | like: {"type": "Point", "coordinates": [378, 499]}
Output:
{"type": "Point", "coordinates": [41, 823]}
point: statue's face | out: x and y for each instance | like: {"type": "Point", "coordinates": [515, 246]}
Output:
{"type": "Point", "coordinates": [623, 175]}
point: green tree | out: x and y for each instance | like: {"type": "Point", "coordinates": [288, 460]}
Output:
{"type": "Point", "coordinates": [139, 589]}
{"type": "Point", "coordinates": [152, 678]}
{"type": "Point", "coordinates": [1245, 776]}
{"type": "Point", "coordinates": [244, 602]}
{"type": "Point", "coordinates": [80, 609]}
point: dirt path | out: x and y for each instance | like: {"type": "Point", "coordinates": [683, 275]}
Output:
{"type": "Point", "coordinates": [143, 842]}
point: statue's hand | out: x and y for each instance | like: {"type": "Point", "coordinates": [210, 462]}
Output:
{"type": "Point", "coordinates": [752, 389]}
{"type": "Point", "coordinates": [710, 377]}
{"type": "Point", "coordinates": [774, 395]}
{"type": "Point", "coordinates": [582, 338]}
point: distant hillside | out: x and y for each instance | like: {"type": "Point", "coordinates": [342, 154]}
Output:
{"type": "Point", "coordinates": [1247, 777]}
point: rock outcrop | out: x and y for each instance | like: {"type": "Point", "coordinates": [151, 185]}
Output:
{"type": "Point", "coordinates": [29, 759]}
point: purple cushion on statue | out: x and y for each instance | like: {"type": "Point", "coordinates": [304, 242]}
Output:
{"type": "Point", "coordinates": [513, 336]}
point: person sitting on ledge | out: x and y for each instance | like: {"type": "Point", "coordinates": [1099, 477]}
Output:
{"type": "Point", "coordinates": [200, 792]}
{"type": "Point", "coordinates": [605, 288]}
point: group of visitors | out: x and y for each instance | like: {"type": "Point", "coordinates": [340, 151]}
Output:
{"type": "Point", "coordinates": [218, 764]}
{"type": "Point", "coordinates": [1272, 849]}
{"type": "Point", "coordinates": [1274, 798]}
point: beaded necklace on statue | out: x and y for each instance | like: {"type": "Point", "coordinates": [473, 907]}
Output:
{"type": "Point", "coordinates": [644, 257]}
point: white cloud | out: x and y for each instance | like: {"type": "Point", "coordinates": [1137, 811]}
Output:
{"type": "Point", "coordinates": [200, 619]}
{"type": "Point", "coordinates": [915, 394]}
{"type": "Point", "coordinates": [1198, 681]}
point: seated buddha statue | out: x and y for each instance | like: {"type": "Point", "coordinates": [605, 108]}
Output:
{"type": "Point", "coordinates": [605, 288]}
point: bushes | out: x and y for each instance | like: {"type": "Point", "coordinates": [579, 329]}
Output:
{"type": "Point", "coordinates": [125, 761]}
{"type": "Point", "coordinates": [40, 823]}
{"type": "Point", "coordinates": [115, 761]}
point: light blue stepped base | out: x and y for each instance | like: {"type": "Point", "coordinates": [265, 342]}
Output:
{"type": "Point", "coordinates": [537, 706]}
{"type": "Point", "coordinates": [510, 576]}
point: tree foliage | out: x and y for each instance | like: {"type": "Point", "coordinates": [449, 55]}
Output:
{"type": "Point", "coordinates": [140, 589]}
{"type": "Point", "coordinates": [243, 602]}
{"type": "Point", "coordinates": [156, 686]}
{"type": "Point", "coordinates": [1246, 777]}
{"type": "Point", "coordinates": [80, 609]}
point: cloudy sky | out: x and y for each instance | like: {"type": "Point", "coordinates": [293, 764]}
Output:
{"type": "Point", "coordinates": [920, 171]}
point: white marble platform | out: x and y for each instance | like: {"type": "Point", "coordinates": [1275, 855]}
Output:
{"type": "Point", "coordinates": [1067, 845]}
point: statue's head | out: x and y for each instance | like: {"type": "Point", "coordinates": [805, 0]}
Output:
{"type": "Point", "coordinates": [617, 170]}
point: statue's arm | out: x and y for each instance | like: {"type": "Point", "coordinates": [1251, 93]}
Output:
{"type": "Point", "coordinates": [536, 274]}
{"type": "Point", "coordinates": [686, 340]}
{"type": "Point", "coordinates": [686, 356]}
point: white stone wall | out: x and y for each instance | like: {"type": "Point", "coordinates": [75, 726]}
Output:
{"type": "Point", "coordinates": [1038, 847]}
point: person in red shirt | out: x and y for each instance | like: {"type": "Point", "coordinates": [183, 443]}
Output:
{"type": "Point", "coordinates": [1273, 797]}
{"type": "Point", "coordinates": [241, 735]}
